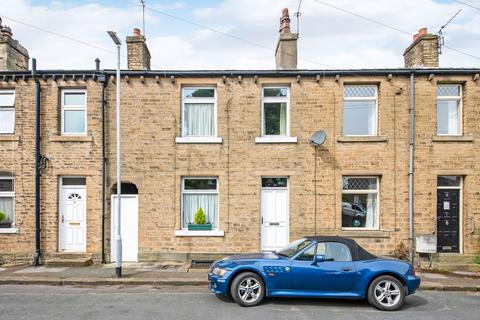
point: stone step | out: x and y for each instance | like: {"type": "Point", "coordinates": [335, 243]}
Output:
{"type": "Point", "coordinates": [453, 258]}
{"type": "Point", "coordinates": [68, 260]}
{"type": "Point", "coordinates": [470, 267]}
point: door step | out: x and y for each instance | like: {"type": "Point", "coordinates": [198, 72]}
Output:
{"type": "Point", "coordinates": [471, 267]}
{"type": "Point", "coordinates": [68, 260]}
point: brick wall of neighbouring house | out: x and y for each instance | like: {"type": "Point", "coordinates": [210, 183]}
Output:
{"type": "Point", "coordinates": [68, 156]}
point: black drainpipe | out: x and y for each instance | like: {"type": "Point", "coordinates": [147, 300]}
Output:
{"type": "Point", "coordinates": [38, 158]}
{"type": "Point", "coordinates": [103, 80]}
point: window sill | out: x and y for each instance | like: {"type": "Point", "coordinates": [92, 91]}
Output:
{"type": "Point", "coordinates": [362, 139]}
{"type": "Point", "coordinates": [58, 138]}
{"type": "Point", "coordinates": [199, 140]}
{"type": "Point", "coordinates": [366, 233]}
{"type": "Point", "coordinates": [9, 137]}
{"type": "Point", "coordinates": [273, 139]}
{"type": "Point", "coordinates": [452, 138]}
{"type": "Point", "coordinates": [211, 233]}
{"type": "Point", "coordinates": [8, 230]}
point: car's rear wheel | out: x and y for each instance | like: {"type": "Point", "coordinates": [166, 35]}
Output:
{"type": "Point", "coordinates": [386, 293]}
{"type": "Point", "coordinates": [248, 289]}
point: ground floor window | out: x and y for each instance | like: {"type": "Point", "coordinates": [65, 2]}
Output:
{"type": "Point", "coordinates": [360, 202]}
{"type": "Point", "coordinates": [199, 193]}
{"type": "Point", "coordinates": [7, 202]}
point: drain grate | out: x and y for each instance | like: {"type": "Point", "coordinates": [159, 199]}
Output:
{"type": "Point", "coordinates": [201, 264]}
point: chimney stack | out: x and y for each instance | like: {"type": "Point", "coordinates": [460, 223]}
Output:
{"type": "Point", "coordinates": [286, 51]}
{"type": "Point", "coordinates": [13, 56]}
{"type": "Point", "coordinates": [137, 51]}
{"type": "Point", "coordinates": [423, 52]}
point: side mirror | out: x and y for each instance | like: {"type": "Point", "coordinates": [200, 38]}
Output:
{"type": "Point", "coordinates": [319, 258]}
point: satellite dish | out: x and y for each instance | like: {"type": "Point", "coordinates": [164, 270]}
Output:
{"type": "Point", "coordinates": [318, 138]}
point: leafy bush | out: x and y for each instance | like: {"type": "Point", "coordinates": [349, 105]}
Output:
{"type": "Point", "coordinates": [200, 216]}
{"type": "Point", "coordinates": [400, 252]}
{"type": "Point", "coordinates": [3, 216]}
{"type": "Point", "coordinates": [476, 260]}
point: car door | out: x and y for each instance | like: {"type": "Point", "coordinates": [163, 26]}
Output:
{"type": "Point", "coordinates": [334, 275]}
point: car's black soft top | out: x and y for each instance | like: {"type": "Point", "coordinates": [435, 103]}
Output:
{"type": "Point", "coordinates": [358, 253]}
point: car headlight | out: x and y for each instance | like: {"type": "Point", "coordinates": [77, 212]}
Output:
{"type": "Point", "coordinates": [219, 272]}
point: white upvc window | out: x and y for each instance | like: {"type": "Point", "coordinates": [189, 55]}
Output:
{"type": "Point", "coordinates": [7, 202]}
{"type": "Point", "coordinates": [360, 110]}
{"type": "Point", "coordinates": [200, 192]}
{"type": "Point", "coordinates": [449, 109]}
{"type": "Point", "coordinates": [74, 112]}
{"type": "Point", "coordinates": [360, 203]}
{"type": "Point", "coordinates": [275, 111]}
{"type": "Point", "coordinates": [7, 111]}
{"type": "Point", "coordinates": [199, 112]}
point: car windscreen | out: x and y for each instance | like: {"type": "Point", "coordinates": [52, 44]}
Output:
{"type": "Point", "coordinates": [294, 247]}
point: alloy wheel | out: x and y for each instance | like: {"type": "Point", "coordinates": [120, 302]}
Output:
{"type": "Point", "coordinates": [387, 293]}
{"type": "Point", "coordinates": [249, 290]}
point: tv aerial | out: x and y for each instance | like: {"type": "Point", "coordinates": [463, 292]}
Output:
{"type": "Point", "coordinates": [441, 39]}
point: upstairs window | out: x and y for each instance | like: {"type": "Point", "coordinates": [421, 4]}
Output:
{"type": "Point", "coordinates": [360, 110]}
{"type": "Point", "coordinates": [275, 120]}
{"type": "Point", "coordinates": [7, 202]}
{"type": "Point", "coordinates": [449, 114]}
{"type": "Point", "coordinates": [199, 112]}
{"type": "Point", "coordinates": [74, 112]}
{"type": "Point", "coordinates": [7, 111]}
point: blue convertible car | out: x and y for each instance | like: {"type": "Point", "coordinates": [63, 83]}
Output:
{"type": "Point", "coordinates": [323, 267]}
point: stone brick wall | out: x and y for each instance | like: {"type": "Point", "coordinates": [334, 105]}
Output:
{"type": "Point", "coordinates": [422, 53]}
{"type": "Point", "coordinates": [13, 56]}
{"type": "Point", "coordinates": [151, 119]}
{"type": "Point", "coordinates": [68, 156]}
{"type": "Point", "coordinates": [138, 53]}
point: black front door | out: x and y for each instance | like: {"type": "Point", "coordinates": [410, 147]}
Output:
{"type": "Point", "coordinates": [448, 214]}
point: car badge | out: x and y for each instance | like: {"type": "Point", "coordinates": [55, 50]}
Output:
{"type": "Point", "coordinates": [287, 269]}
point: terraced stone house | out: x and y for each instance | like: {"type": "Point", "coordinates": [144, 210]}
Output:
{"type": "Point", "coordinates": [391, 144]}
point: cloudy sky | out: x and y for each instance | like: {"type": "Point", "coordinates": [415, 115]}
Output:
{"type": "Point", "coordinates": [329, 38]}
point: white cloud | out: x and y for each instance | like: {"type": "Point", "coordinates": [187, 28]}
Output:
{"type": "Point", "coordinates": [328, 36]}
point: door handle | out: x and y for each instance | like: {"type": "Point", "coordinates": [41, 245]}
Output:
{"type": "Point", "coordinates": [63, 220]}
{"type": "Point", "coordinates": [346, 269]}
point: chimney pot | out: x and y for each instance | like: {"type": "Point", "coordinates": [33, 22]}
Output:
{"type": "Point", "coordinates": [136, 32]}
{"type": "Point", "coordinates": [285, 21]}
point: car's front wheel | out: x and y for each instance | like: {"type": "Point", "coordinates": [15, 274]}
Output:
{"type": "Point", "coordinates": [248, 289]}
{"type": "Point", "coordinates": [386, 293]}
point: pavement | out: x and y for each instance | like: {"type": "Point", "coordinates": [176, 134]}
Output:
{"type": "Point", "coordinates": [161, 274]}
{"type": "Point", "coordinates": [40, 302]}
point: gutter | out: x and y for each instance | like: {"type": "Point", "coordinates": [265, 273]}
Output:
{"type": "Point", "coordinates": [38, 160]}
{"type": "Point", "coordinates": [411, 166]}
{"type": "Point", "coordinates": [230, 73]}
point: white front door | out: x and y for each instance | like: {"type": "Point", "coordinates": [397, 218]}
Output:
{"type": "Point", "coordinates": [72, 219]}
{"type": "Point", "coordinates": [128, 227]}
{"type": "Point", "coordinates": [274, 219]}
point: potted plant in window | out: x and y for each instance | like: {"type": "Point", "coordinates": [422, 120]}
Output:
{"type": "Point", "coordinates": [3, 221]}
{"type": "Point", "coordinates": [200, 222]}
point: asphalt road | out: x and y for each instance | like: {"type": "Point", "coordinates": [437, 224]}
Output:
{"type": "Point", "coordinates": [49, 302]}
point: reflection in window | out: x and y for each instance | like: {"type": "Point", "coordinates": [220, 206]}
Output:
{"type": "Point", "coordinates": [360, 110]}
{"type": "Point", "coordinates": [360, 202]}
{"type": "Point", "coordinates": [448, 109]}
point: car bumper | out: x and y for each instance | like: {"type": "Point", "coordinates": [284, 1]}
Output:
{"type": "Point", "coordinates": [413, 282]}
{"type": "Point", "coordinates": [218, 285]}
